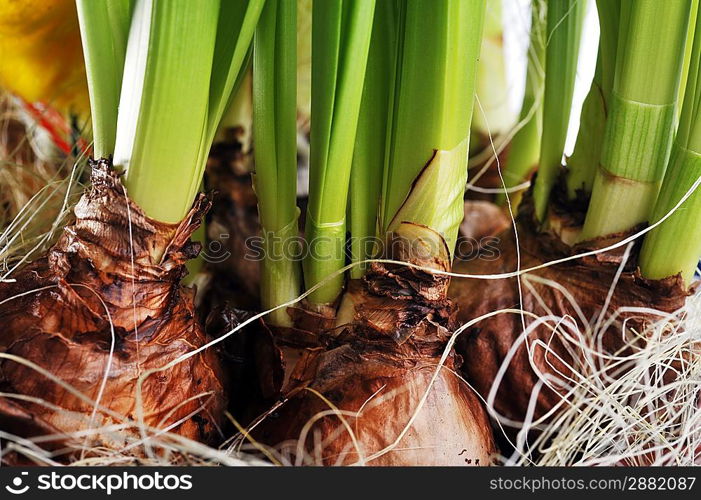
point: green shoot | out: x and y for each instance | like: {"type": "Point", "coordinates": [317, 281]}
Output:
{"type": "Point", "coordinates": [563, 34]}
{"type": "Point", "coordinates": [582, 165]}
{"type": "Point", "coordinates": [370, 141]}
{"type": "Point", "coordinates": [341, 31]}
{"type": "Point", "coordinates": [675, 245]}
{"type": "Point", "coordinates": [104, 28]}
{"type": "Point", "coordinates": [275, 132]}
{"type": "Point", "coordinates": [433, 103]}
{"type": "Point", "coordinates": [639, 130]}
{"type": "Point", "coordinates": [182, 63]}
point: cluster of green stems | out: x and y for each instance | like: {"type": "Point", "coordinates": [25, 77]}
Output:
{"type": "Point", "coordinates": [392, 99]}
{"type": "Point", "coordinates": [391, 104]}
{"type": "Point", "coordinates": [635, 157]}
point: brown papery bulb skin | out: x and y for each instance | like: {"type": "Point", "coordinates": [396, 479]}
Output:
{"type": "Point", "coordinates": [582, 288]}
{"type": "Point", "coordinates": [110, 283]}
{"type": "Point", "coordinates": [374, 392]}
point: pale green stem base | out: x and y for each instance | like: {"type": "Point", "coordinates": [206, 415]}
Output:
{"type": "Point", "coordinates": [633, 161]}
{"type": "Point", "coordinates": [325, 258]}
{"type": "Point", "coordinates": [361, 249]}
{"type": "Point", "coordinates": [675, 245]}
{"type": "Point", "coordinates": [436, 196]}
{"type": "Point", "coordinates": [280, 278]}
{"type": "Point", "coordinates": [617, 204]}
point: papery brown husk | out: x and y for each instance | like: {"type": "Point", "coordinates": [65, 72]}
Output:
{"type": "Point", "coordinates": [485, 345]}
{"type": "Point", "coordinates": [375, 370]}
{"type": "Point", "coordinates": [97, 282]}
